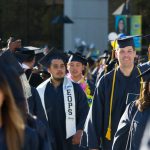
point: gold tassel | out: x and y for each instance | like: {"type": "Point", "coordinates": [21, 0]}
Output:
{"type": "Point", "coordinates": [108, 134]}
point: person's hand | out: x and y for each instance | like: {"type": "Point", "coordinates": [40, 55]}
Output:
{"type": "Point", "coordinates": [77, 137]}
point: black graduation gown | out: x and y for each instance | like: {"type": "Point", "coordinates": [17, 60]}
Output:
{"type": "Point", "coordinates": [34, 103]}
{"type": "Point", "coordinates": [109, 67]}
{"type": "Point", "coordinates": [94, 74]}
{"type": "Point", "coordinates": [31, 141]}
{"type": "Point", "coordinates": [101, 106]}
{"type": "Point", "coordinates": [34, 123]}
{"type": "Point", "coordinates": [35, 78]}
{"type": "Point", "coordinates": [2, 140]}
{"type": "Point", "coordinates": [131, 128]}
{"type": "Point", "coordinates": [145, 66]}
{"type": "Point", "coordinates": [145, 144]}
{"type": "Point", "coordinates": [36, 109]}
{"type": "Point", "coordinates": [54, 103]}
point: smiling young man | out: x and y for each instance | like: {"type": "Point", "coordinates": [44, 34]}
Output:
{"type": "Point", "coordinates": [64, 104]}
{"type": "Point", "coordinates": [76, 68]}
{"type": "Point", "coordinates": [109, 100]}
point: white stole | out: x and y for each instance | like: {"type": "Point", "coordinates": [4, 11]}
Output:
{"type": "Point", "coordinates": [69, 103]}
{"type": "Point", "coordinates": [70, 109]}
{"type": "Point", "coordinates": [41, 90]}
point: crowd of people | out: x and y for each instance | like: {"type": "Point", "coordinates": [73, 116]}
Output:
{"type": "Point", "coordinates": [51, 100]}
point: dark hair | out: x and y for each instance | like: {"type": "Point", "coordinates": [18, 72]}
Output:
{"type": "Point", "coordinates": [29, 58]}
{"type": "Point", "coordinates": [60, 58]}
{"type": "Point", "coordinates": [12, 121]}
{"type": "Point", "coordinates": [144, 101]}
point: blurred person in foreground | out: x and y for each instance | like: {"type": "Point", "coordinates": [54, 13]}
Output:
{"type": "Point", "coordinates": [14, 135]}
{"type": "Point", "coordinates": [132, 124]}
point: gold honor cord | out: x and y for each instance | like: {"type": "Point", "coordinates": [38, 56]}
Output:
{"type": "Point", "coordinates": [113, 50]}
{"type": "Point", "coordinates": [108, 134]}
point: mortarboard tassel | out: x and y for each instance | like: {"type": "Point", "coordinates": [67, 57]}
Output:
{"type": "Point", "coordinates": [108, 134]}
{"type": "Point", "coordinates": [114, 45]}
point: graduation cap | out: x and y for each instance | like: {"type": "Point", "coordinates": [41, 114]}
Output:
{"type": "Point", "coordinates": [129, 40]}
{"type": "Point", "coordinates": [39, 53]}
{"type": "Point", "coordinates": [52, 54]}
{"type": "Point", "coordinates": [126, 41]}
{"type": "Point", "coordinates": [24, 54]}
{"type": "Point", "coordinates": [91, 61]}
{"type": "Point", "coordinates": [77, 57]}
{"type": "Point", "coordinates": [35, 49]}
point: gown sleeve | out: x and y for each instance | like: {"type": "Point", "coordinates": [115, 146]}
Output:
{"type": "Point", "coordinates": [145, 144]}
{"type": "Point", "coordinates": [93, 126]}
{"type": "Point", "coordinates": [122, 133]}
{"type": "Point", "coordinates": [82, 107]}
{"type": "Point", "coordinates": [31, 141]}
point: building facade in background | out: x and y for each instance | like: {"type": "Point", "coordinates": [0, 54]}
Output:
{"type": "Point", "coordinates": [90, 22]}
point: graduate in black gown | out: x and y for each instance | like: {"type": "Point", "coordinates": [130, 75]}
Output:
{"type": "Point", "coordinates": [12, 71]}
{"type": "Point", "coordinates": [109, 101]}
{"type": "Point", "coordinates": [132, 124]}
{"type": "Point", "coordinates": [27, 58]}
{"type": "Point", "coordinates": [106, 64]}
{"type": "Point", "coordinates": [64, 104]}
{"type": "Point", "coordinates": [14, 134]}
{"type": "Point", "coordinates": [77, 73]}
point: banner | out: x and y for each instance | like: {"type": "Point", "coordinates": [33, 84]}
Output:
{"type": "Point", "coordinates": [121, 24]}
{"type": "Point", "coordinates": [136, 29]}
